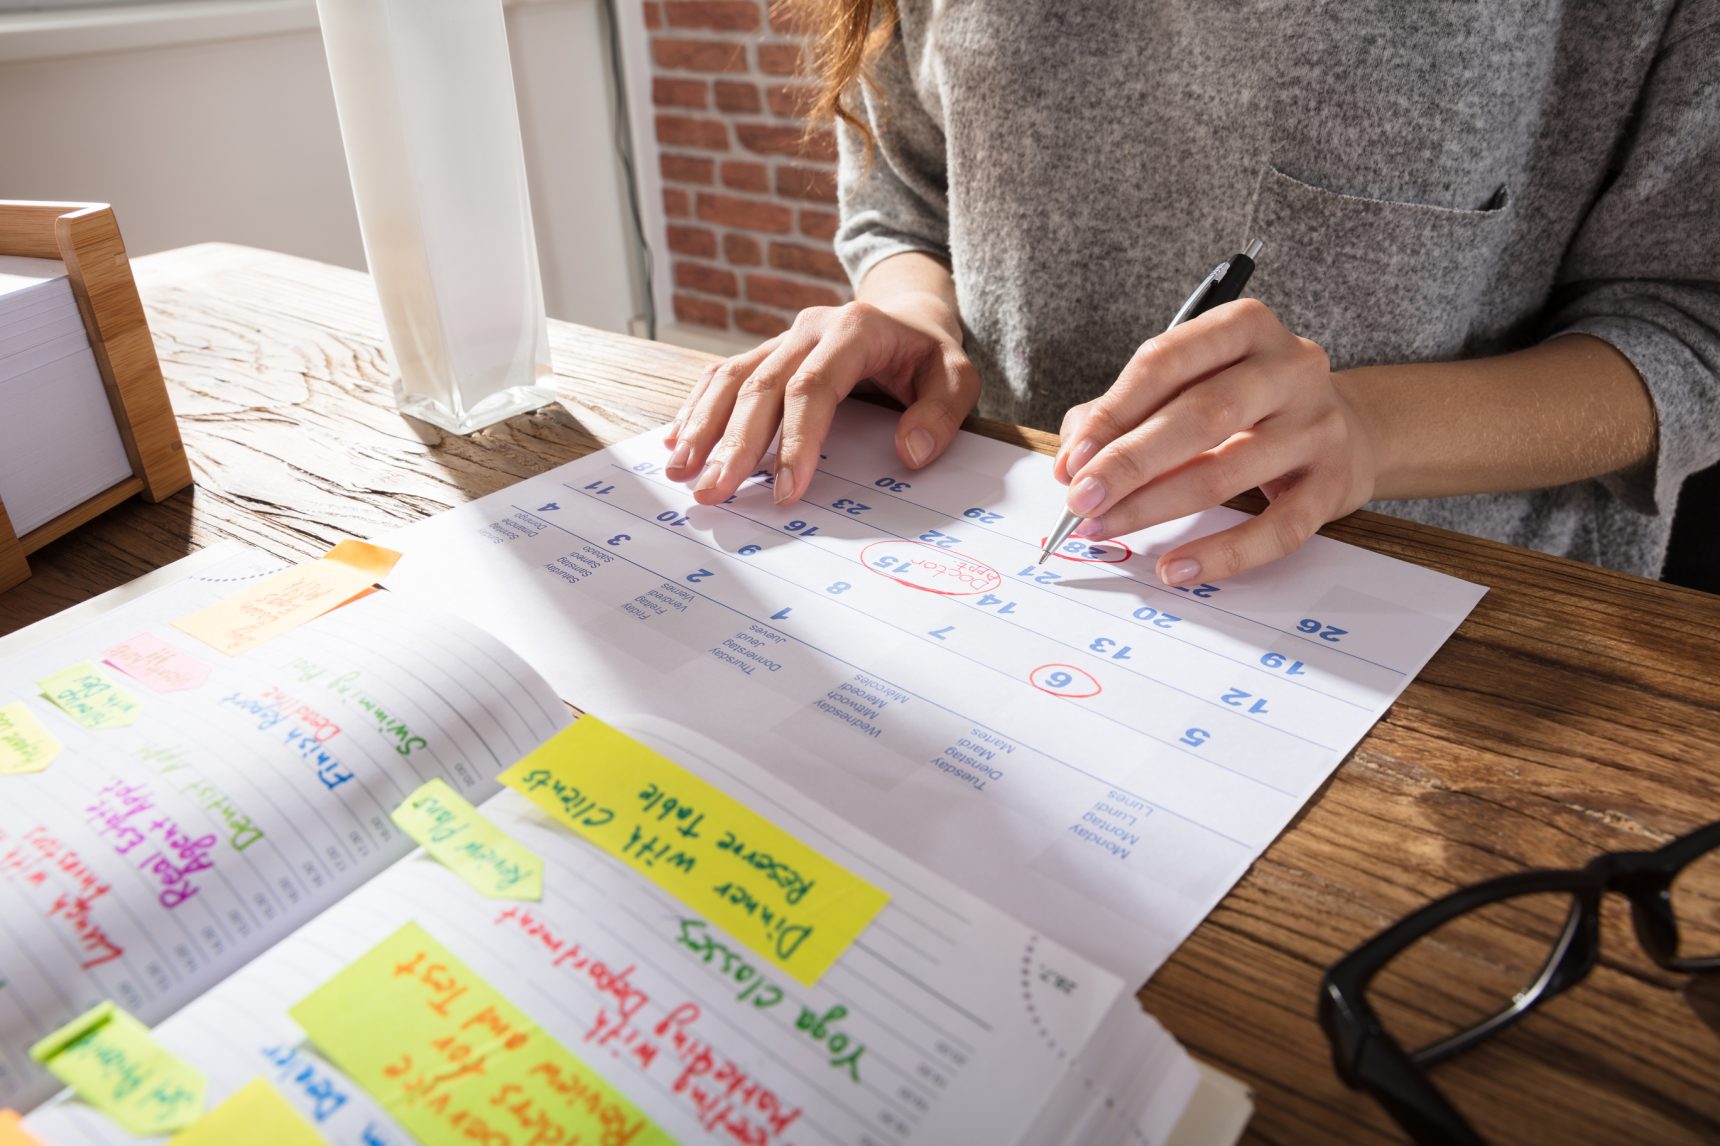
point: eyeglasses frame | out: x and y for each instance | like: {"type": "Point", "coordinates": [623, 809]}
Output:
{"type": "Point", "coordinates": [1367, 1057]}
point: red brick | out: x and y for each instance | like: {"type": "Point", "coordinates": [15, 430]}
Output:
{"type": "Point", "coordinates": [701, 311]}
{"type": "Point", "coordinates": [780, 59]}
{"type": "Point", "coordinates": [817, 184]}
{"type": "Point", "coordinates": [698, 55]}
{"type": "Point", "coordinates": [793, 101]}
{"type": "Point", "coordinates": [653, 15]}
{"type": "Point", "coordinates": [737, 97]}
{"type": "Point", "coordinates": [717, 15]}
{"type": "Point", "coordinates": [786, 294]}
{"type": "Point", "coordinates": [688, 168]}
{"type": "Point", "coordinates": [742, 251]}
{"type": "Point", "coordinates": [695, 241]}
{"type": "Point", "coordinates": [692, 131]}
{"type": "Point", "coordinates": [747, 214]}
{"type": "Point", "coordinates": [676, 204]}
{"type": "Point", "coordinates": [666, 92]}
{"type": "Point", "coordinates": [808, 261]}
{"type": "Point", "coordinates": [819, 224]}
{"type": "Point", "coordinates": [764, 323]}
{"type": "Point", "coordinates": [746, 176]}
{"type": "Point", "coordinates": [779, 139]}
{"type": "Point", "coordinates": [706, 279]}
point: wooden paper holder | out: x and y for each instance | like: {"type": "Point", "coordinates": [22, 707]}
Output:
{"type": "Point", "coordinates": [85, 237]}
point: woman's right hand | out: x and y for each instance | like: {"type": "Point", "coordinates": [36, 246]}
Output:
{"type": "Point", "coordinates": [797, 379]}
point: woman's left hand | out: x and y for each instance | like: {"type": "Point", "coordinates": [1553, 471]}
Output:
{"type": "Point", "coordinates": [1209, 409]}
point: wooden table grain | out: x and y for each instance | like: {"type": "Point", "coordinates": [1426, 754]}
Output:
{"type": "Point", "coordinates": [1576, 711]}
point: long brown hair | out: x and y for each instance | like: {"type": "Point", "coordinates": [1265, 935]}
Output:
{"type": "Point", "coordinates": [845, 35]}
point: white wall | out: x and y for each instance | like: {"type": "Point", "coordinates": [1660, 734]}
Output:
{"type": "Point", "coordinates": [223, 128]}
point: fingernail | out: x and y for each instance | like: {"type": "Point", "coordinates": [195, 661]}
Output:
{"type": "Point", "coordinates": [1087, 496]}
{"type": "Point", "coordinates": [783, 485]}
{"type": "Point", "coordinates": [713, 473]}
{"type": "Point", "coordinates": [672, 431]}
{"type": "Point", "coordinates": [1177, 572]}
{"type": "Point", "coordinates": [682, 455]}
{"type": "Point", "coordinates": [1092, 528]}
{"type": "Point", "coordinates": [1083, 450]}
{"type": "Point", "coordinates": [920, 446]}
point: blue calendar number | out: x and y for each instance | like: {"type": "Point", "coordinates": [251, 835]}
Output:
{"type": "Point", "coordinates": [1105, 645]}
{"type": "Point", "coordinates": [1084, 551]}
{"type": "Point", "coordinates": [990, 602]}
{"type": "Point", "coordinates": [1202, 591]}
{"type": "Point", "coordinates": [749, 550]}
{"type": "Point", "coordinates": [983, 516]}
{"type": "Point", "coordinates": [599, 488]}
{"type": "Point", "coordinates": [698, 575]}
{"type": "Point", "coordinates": [1319, 629]}
{"type": "Point", "coordinates": [763, 477]}
{"type": "Point", "coordinates": [838, 587]}
{"type": "Point", "coordinates": [848, 506]}
{"type": "Point", "coordinates": [1157, 619]}
{"type": "Point", "coordinates": [782, 614]}
{"type": "Point", "coordinates": [941, 540]}
{"type": "Point", "coordinates": [801, 528]}
{"type": "Point", "coordinates": [1039, 575]}
{"type": "Point", "coordinates": [1284, 664]}
{"type": "Point", "coordinates": [891, 485]}
{"type": "Point", "coordinates": [670, 517]}
{"type": "Point", "coordinates": [618, 539]}
{"type": "Point", "coordinates": [1059, 679]}
{"type": "Point", "coordinates": [1195, 737]}
{"type": "Point", "coordinates": [644, 468]}
{"type": "Point", "coordinates": [942, 634]}
{"type": "Point", "coordinates": [1239, 698]}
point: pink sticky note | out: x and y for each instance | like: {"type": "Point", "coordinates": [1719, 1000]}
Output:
{"type": "Point", "coordinates": [156, 663]}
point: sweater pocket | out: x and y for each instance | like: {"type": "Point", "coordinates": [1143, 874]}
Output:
{"type": "Point", "coordinates": [1373, 280]}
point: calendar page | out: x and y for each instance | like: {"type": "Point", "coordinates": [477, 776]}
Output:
{"type": "Point", "coordinates": [1096, 753]}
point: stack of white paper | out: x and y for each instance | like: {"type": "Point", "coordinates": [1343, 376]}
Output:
{"type": "Point", "coordinates": [59, 443]}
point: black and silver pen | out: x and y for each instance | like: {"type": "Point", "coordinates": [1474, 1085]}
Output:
{"type": "Point", "coordinates": [1223, 285]}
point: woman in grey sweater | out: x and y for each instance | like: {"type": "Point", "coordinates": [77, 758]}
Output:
{"type": "Point", "coordinates": [1490, 298]}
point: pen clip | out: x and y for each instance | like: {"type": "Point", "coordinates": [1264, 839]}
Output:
{"type": "Point", "coordinates": [1206, 284]}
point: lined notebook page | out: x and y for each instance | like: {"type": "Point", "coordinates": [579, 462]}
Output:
{"type": "Point", "coordinates": [969, 1020]}
{"type": "Point", "coordinates": [150, 861]}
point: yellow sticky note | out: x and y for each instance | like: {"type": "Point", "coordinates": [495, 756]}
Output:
{"type": "Point", "coordinates": [25, 746]}
{"type": "Point", "coordinates": [726, 862]}
{"type": "Point", "coordinates": [278, 604]}
{"type": "Point", "coordinates": [256, 1115]}
{"type": "Point", "coordinates": [14, 1134]}
{"type": "Point", "coordinates": [451, 1059]}
{"type": "Point", "coordinates": [113, 1064]}
{"type": "Point", "coordinates": [441, 822]}
{"type": "Point", "coordinates": [87, 695]}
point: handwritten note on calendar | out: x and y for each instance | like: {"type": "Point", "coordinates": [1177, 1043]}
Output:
{"type": "Point", "coordinates": [1089, 749]}
{"type": "Point", "coordinates": [177, 832]}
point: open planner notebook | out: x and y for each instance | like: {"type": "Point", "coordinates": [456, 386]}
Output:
{"type": "Point", "coordinates": [210, 842]}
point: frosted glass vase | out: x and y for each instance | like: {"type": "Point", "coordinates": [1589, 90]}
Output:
{"type": "Point", "coordinates": [425, 95]}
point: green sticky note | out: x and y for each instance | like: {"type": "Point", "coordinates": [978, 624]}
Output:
{"type": "Point", "coordinates": [109, 1059]}
{"type": "Point", "coordinates": [256, 1115]}
{"type": "Point", "coordinates": [452, 1060]}
{"type": "Point", "coordinates": [441, 822]}
{"type": "Point", "coordinates": [86, 694]}
{"type": "Point", "coordinates": [25, 746]}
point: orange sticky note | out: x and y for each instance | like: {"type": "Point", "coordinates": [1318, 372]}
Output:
{"type": "Point", "coordinates": [12, 1133]}
{"type": "Point", "coordinates": [291, 597]}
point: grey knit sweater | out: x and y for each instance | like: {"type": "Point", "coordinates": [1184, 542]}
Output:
{"type": "Point", "coordinates": [1434, 179]}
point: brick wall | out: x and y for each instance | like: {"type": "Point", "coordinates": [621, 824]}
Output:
{"type": "Point", "coordinates": [750, 196]}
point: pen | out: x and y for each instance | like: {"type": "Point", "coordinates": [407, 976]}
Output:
{"type": "Point", "coordinates": [1223, 285]}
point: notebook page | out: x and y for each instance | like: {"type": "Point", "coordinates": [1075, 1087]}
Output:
{"type": "Point", "coordinates": [148, 861]}
{"type": "Point", "coordinates": [968, 1019]}
{"type": "Point", "coordinates": [1099, 754]}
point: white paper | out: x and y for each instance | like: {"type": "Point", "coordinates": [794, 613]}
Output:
{"type": "Point", "coordinates": [147, 862]}
{"type": "Point", "coordinates": [970, 1021]}
{"type": "Point", "coordinates": [1114, 820]}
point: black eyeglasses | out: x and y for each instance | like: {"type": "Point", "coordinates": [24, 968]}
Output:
{"type": "Point", "coordinates": [1540, 930]}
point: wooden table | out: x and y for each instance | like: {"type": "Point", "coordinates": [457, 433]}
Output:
{"type": "Point", "coordinates": [1576, 711]}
